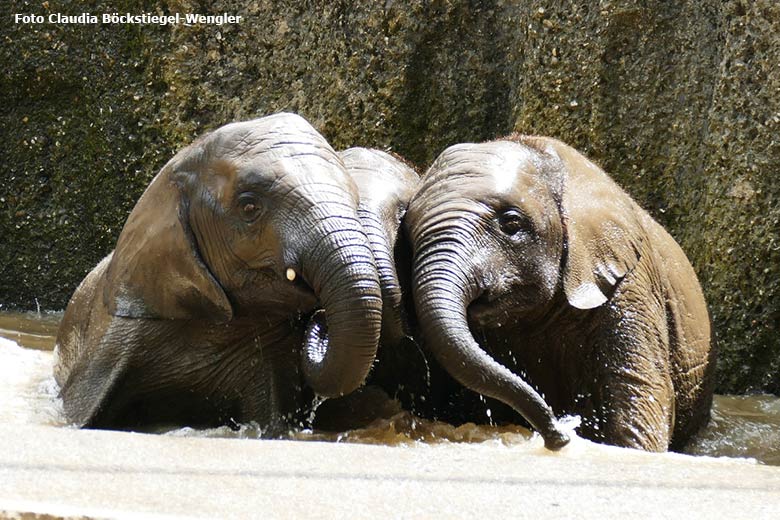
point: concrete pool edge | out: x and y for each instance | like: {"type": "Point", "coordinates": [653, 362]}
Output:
{"type": "Point", "coordinates": [66, 473]}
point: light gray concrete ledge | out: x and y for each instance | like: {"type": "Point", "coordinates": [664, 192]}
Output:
{"type": "Point", "coordinates": [70, 473]}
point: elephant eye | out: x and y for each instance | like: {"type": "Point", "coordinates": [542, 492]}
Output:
{"type": "Point", "coordinates": [249, 207]}
{"type": "Point", "coordinates": [511, 222]}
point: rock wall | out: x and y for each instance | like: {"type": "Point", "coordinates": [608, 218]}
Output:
{"type": "Point", "coordinates": [679, 101]}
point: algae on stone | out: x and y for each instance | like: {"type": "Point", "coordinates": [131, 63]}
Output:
{"type": "Point", "coordinates": [679, 101]}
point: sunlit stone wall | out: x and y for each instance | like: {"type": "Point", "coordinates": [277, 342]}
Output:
{"type": "Point", "coordinates": [679, 101]}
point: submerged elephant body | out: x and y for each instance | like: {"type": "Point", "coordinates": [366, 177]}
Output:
{"type": "Point", "coordinates": [115, 373]}
{"type": "Point", "coordinates": [195, 317]}
{"type": "Point", "coordinates": [532, 266]}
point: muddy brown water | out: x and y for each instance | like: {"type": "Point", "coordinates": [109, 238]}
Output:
{"type": "Point", "coordinates": [745, 426]}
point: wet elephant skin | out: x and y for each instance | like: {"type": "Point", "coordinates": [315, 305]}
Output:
{"type": "Point", "coordinates": [538, 282]}
{"type": "Point", "coordinates": [386, 184]}
{"type": "Point", "coordinates": [196, 317]}
{"type": "Point", "coordinates": [404, 370]}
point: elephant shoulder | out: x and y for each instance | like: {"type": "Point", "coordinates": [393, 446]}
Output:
{"type": "Point", "coordinates": [683, 294]}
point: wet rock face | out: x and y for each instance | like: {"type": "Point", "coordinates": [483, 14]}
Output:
{"type": "Point", "coordinates": [679, 101]}
{"type": "Point", "coordinates": [80, 141]}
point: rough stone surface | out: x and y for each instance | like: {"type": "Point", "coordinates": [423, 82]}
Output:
{"type": "Point", "coordinates": [679, 101]}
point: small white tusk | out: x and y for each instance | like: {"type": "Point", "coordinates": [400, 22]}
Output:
{"type": "Point", "coordinates": [290, 274]}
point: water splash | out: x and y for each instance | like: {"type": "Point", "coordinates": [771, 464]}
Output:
{"type": "Point", "coordinates": [741, 426]}
{"type": "Point", "coordinates": [28, 393]}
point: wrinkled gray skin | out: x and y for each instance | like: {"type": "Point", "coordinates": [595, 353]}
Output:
{"type": "Point", "coordinates": [194, 318]}
{"type": "Point", "coordinates": [386, 185]}
{"type": "Point", "coordinates": [529, 260]}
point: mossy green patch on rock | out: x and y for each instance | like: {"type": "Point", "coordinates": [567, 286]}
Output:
{"type": "Point", "coordinates": [679, 101]}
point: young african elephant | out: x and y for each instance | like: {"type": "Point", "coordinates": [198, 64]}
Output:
{"type": "Point", "coordinates": [386, 185]}
{"type": "Point", "coordinates": [529, 247]}
{"type": "Point", "coordinates": [195, 317]}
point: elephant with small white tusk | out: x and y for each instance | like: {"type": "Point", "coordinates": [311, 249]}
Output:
{"type": "Point", "coordinates": [199, 315]}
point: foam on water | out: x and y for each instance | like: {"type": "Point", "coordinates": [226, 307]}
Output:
{"type": "Point", "coordinates": [28, 393]}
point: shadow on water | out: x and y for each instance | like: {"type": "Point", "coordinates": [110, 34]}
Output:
{"type": "Point", "coordinates": [741, 426]}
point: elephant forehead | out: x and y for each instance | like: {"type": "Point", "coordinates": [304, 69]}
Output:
{"type": "Point", "coordinates": [261, 141]}
{"type": "Point", "coordinates": [280, 146]}
{"type": "Point", "coordinates": [373, 164]}
{"type": "Point", "coordinates": [280, 135]}
{"type": "Point", "coordinates": [269, 128]}
{"type": "Point", "coordinates": [491, 172]}
{"type": "Point", "coordinates": [497, 167]}
{"type": "Point", "coordinates": [275, 170]}
{"type": "Point", "coordinates": [381, 178]}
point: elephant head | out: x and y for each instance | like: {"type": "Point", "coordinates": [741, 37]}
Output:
{"type": "Point", "coordinates": [254, 219]}
{"type": "Point", "coordinates": [499, 231]}
{"type": "Point", "coordinates": [386, 185]}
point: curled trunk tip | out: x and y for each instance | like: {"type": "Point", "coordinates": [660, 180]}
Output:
{"type": "Point", "coordinates": [341, 339]}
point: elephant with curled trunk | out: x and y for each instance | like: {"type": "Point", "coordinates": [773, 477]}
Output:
{"type": "Point", "coordinates": [386, 184]}
{"type": "Point", "coordinates": [538, 282]}
{"type": "Point", "coordinates": [198, 316]}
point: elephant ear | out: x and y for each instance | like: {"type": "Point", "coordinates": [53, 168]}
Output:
{"type": "Point", "coordinates": [603, 232]}
{"type": "Point", "coordinates": [156, 270]}
{"type": "Point", "coordinates": [91, 387]}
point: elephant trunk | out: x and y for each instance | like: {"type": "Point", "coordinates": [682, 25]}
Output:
{"type": "Point", "coordinates": [442, 293]}
{"type": "Point", "coordinates": [341, 340]}
{"type": "Point", "coordinates": [394, 324]}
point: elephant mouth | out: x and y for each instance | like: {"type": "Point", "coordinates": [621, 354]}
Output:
{"type": "Point", "coordinates": [300, 293]}
{"type": "Point", "coordinates": [486, 316]}
{"type": "Point", "coordinates": [492, 311]}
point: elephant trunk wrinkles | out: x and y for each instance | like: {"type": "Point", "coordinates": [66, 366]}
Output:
{"type": "Point", "coordinates": [442, 293]}
{"type": "Point", "coordinates": [394, 327]}
{"type": "Point", "coordinates": [338, 353]}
